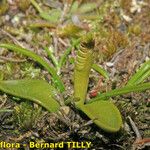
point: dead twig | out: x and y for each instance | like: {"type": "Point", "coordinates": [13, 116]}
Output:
{"type": "Point", "coordinates": [62, 42]}
{"type": "Point", "coordinates": [140, 142]}
{"type": "Point", "coordinates": [5, 59]}
{"type": "Point", "coordinates": [11, 37]}
{"type": "Point", "coordinates": [3, 99]}
{"type": "Point", "coordinates": [135, 129]}
{"type": "Point", "coordinates": [67, 5]}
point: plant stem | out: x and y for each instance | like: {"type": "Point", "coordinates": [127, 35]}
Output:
{"type": "Point", "coordinates": [35, 4]}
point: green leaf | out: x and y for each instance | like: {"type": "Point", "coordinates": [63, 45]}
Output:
{"type": "Point", "coordinates": [83, 64]}
{"type": "Point", "coordinates": [52, 16]}
{"type": "Point", "coordinates": [87, 7]}
{"type": "Point", "coordinates": [66, 53]}
{"type": "Point", "coordinates": [57, 81]}
{"type": "Point", "coordinates": [141, 74]}
{"type": "Point", "coordinates": [120, 91]}
{"type": "Point", "coordinates": [74, 7]}
{"type": "Point", "coordinates": [104, 114]}
{"type": "Point", "coordinates": [37, 91]}
{"type": "Point", "coordinates": [35, 4]}
{"type": "Point", "coordinates": [51, 56]}
{"type": "Point", "coordinates": [100, 70]}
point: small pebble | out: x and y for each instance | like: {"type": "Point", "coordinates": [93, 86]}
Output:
{"type": "Point", "coordinates": [109, 64]}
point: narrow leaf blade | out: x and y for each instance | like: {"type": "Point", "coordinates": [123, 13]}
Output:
{"type": "Point", "coordinates": [100, 70]}
{"type": "Point", "coordinates": [141, 74]}
{"type": "Point", "coordinates": [66, 53]}
{"type": "Point", "coordinates": [57, 81]}
{"type": "Point", "coordinates": [37, 91]}
{"type": "Point", "coordinates": [120, 91]}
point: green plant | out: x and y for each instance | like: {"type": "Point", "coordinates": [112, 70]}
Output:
{"type": "Point", "coordinates": [25, 116]}
{"type": "Point", "coordinates": [100, 109]}
{"type": "Point", "coordinates": [61, 62]}
{"type": "Point", "coordinates": [52, 16]}
{"type": "Point", "coordinates": [56, 79]}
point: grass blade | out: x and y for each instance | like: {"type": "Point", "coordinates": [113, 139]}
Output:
{"type": "Point", "coordinates": [35, 4]}
{"type": "Point", "coordinates": [120, 91]}
{"type": "Point", "coordinates": [57, 81]}
{"type": "Point", "coordinates": [5, 110]}
{"type": "Point", "coordinates": [51, 56]}
{"type": "Point", "coordinates": [100, 70]}
{"type": "Point", "coordinates": [143, 77]}
{"type": "Point", "coordinates": [66, 53]}
{"type": "Point", "coordinates": [141, 74]}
